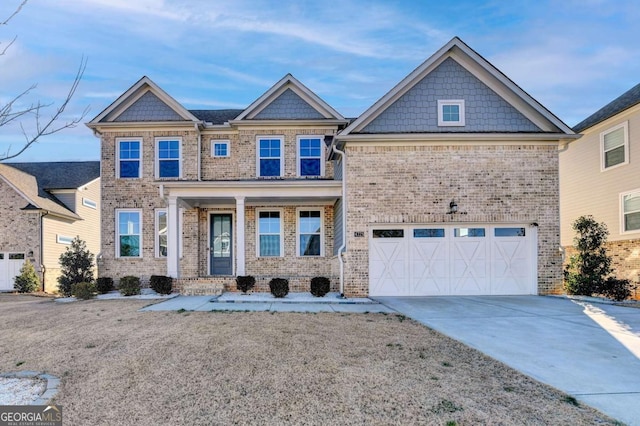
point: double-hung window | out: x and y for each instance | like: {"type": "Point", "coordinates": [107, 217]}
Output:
{"type": "Point", "coordinates": [168, 158]}
{"type": "Point", "coordinates": [270, 161]}
{"type": "Point", "coordinates": [129, 153]}
{"type": "Point", "coordinates": [615, 146]}
{"type": "Point", "coordinates": [451, 112]}
{"type": "Point", "coordinates": [269, 233]}
{"type": "Point", "coordinates": [631, 211]}
{"type": "Point", "coordinates": [309, 233]}
{"type": "Point", "coordinates": [129, 233]}
{"type": "Point", "coordinates": [310, 155]}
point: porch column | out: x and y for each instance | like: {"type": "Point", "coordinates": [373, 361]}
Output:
{"type": "Point", "coordinates": [240, 236]}
{"type": "Point", "coordinates": [173, 243]}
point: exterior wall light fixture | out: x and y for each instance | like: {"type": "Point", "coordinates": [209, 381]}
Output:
{"type": "Point", "coordinates": [453, 207]}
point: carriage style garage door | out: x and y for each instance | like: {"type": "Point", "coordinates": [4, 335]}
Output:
{"type": "Point", "coordinates": [10, 264]}
{"type": "Point", "coordinates": [439, 260]}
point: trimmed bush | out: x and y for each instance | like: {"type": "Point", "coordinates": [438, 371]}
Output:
{"type": "Point", "coordinates": [83, 291]}
{"type": "Point", "coordinates": [129, 285]}
{"type": "Point", "coordinates": [76, 266]}
{"type": "Point", "coordinates": [161, 284]}
{"type": "Point", "coordinates": [244, 283]}
{"type": "Point", "coordinates": [28, 280]}
{"type": "Point", "coordinates": [104, 285]}
{"type": "Point", "coordinates": [320, 286]}
{"type": "Point", "coordinates": [279, 287]}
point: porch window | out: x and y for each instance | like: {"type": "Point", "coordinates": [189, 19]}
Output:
{"type": "Point", "coordinates": [128, 154]}
{"type": "Point", "coordinates": [270, 162]}
{"type": "Point", "coordinates": [309, 233]}
{"type": "Point", "coordinates": [310, 156]}
{"type": "Point", "coordinates": [129, 232]}
{"type": "Point", "coordinates": [269, 233]}
{"type": "Point", "coordinates": [168, 158]}
{"type": "Point", "coordinates": [631, 212]}
{"type": "Point", "coordinates": [161, 233]}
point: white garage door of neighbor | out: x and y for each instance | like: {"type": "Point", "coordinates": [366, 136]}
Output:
{"type": "Point", "coordinates": [441, 260]}
{"type": "Point", "coordinates": [10, 264]}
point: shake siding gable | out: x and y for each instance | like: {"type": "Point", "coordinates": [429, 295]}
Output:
{"type": "Point", "coordinates": [288, 106]}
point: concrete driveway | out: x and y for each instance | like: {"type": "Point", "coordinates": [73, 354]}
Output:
{"type": "Point", "coordinates": [588, 350]}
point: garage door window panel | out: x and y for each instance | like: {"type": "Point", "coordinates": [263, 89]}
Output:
{"type": "Point", "coordinates": [388, 233]}
{"type": "Point", "coordinates": [509, 232]}
{"type": "Point", "coordinates": [468, 232]}
{"type": "Point", "coordinates": [428, 233]}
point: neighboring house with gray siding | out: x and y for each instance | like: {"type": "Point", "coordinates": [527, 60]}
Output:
{"type": "Point", "coordinates": [448, 185]}
{"type": "Point", "coordinates": [44, 206]}
{"type": "Point", "coordinates": [600, 176]}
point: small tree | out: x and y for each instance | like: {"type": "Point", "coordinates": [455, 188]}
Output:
{"type": "Point", "coordinates": [589, 270]}
{"type": "Point", "coordinates": [28, 280]}
{"type": "Point", "coordinates": [76, 265]}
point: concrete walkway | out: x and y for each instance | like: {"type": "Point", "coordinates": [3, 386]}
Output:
{"type": "Point", "coordinates": [257, 302]}
{"type": "Point", "coordinates": [588, 350]}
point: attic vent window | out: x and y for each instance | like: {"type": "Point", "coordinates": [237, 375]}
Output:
{"type": "Point", "coordinates": [451, 112]}
{"type": "Point", "coordinates": [89, 203]}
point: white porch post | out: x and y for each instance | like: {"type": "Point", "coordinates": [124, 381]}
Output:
{"type": "Point", "coordinates": [240, 236]}
{"type": "Point", "coordinates": [173, 242]}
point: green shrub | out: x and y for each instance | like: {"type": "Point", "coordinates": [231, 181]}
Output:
{"type": "Point", "coordinates": [279, 287]}
{"type": "Point", "coordinates": [104, 285]}
{"type": "Point", "coordinates": [83, 291]}
{"type": "Point", "coordinates": [129, 285]}
{"type": "Point", "coordinates": [161, 284]}
{"type": "Point", "coordinates": [28, 280]}
{"type": "Point", "coordinates": [616, 289]}
{"type": "Point", "coordinates": [320, 286]}
{"type": "Point", "coordinates": [76, 266]}
{"type": "Point", "coordinates": [245, 283]}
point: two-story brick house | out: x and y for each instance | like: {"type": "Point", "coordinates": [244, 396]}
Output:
{"type": "Point", "coordinates": [447, 185]}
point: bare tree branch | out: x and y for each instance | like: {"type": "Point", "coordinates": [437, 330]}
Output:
{"type": "Point", "coordinates": [18, 9]}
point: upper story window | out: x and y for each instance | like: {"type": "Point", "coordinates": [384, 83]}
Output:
{"type": "Point", "coordinates": [269, 233]}
{"type": "Point", "coordinates": [270, 160]}
{"type": "Point", "coordinates": [309, 233]}
{"type": "Point", "coordinates": [220, 148]}
{"type": "Point", "coordinates": [310, 156]}
{"type": "Point", "coordinates": [631, 211]}
{"type": "Point", "coordinates": [615, 146]}
{"type": "Point", "coordinates": [168, 158]}
{"type": "Point", "coordinates": [129, 233]}
{"type": "Point", "coordinates": [451, 112]}
{"type": "Point", "coordinates": [89, 203]}
{"type": "Point", "coordinates": [128, 153]}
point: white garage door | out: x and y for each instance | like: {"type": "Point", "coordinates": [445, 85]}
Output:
{"type": "Point", "coordinates": [10, 264]}
{"type": "Point", "coordinates": [439, 260]}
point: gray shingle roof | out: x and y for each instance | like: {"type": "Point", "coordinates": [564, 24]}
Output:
{"type": "Point", "coordinates": [60, 175]}
{"type": "Point", "coordinates": [628, 99]}
{"type": "Point", "coordinates": [216, 116]}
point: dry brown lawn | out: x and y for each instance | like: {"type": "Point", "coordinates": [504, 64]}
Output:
{"type": "Point", "coordinates": [123, 367]}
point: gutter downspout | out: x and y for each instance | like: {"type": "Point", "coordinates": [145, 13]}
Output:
{"type": "Point", "coordinates": [43, 269]}
{"type": "Point", "coordinates": [341, 249]}
{"type": "Point", "coordinates": [199, 153]}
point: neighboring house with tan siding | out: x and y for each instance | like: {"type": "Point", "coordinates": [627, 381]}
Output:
{"type": "Point", "coordinates": [600, 176]}
{"type": "Point", "coordinates": [44, 206]}
{"type": "Point", "coordinates": [447, 185]}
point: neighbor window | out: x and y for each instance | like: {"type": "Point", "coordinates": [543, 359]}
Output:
{"type": "Point", "coordinates": [451, 113]}
{"type": "Point", "coordinates": [615, 146]}
{"type": "Point", "coordinates": [309, 233]}
{"type": "Point", "coordinates": [167, 158]}
{"type": "Point", "coordinates": [89, 203]}
{"type": "Point", "coordinates": [219, 148]}
{"type": "Point", "coordinates": [269, 233]}
{"type": "Point", "coordinates": [310, 156]}
{"type": "Point", "coordinates": [631, 211]}
{"type": "Point", "coordinates": [128, 154]}
{"type": "Point", "coordinates": [270, 162]}
{"type": "Point", "coordinates": [129, 233]}
{"type": "Point", "coordinates": [61, 239]}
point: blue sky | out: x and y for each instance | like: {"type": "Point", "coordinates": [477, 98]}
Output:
{"type": "Point", "coordinates": [573, 56]}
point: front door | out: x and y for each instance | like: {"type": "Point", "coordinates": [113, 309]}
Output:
{"type": "Point", "coordinates": [221, 247]}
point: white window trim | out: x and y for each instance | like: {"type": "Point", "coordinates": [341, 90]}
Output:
{"type": "Point", "coordinates": [459, 103]}
{"type": "Point", "coordinates": [117, 239]}
{"type": "Point", "coordinates": [156, 238]}
{"type": "Point", "coordinates": [625, 126]}
{"type": "Point", "coordinates": [63, 239]}
{"type": "Point", "coordinates": [157, 159]}
{"type": "Point", "coordinates": [622, 195]}
{"type": "Point", "coordinates": [215, 142]}
{"type": "Point", "coordinates": [258, 211]}
{"type": "Point", "coordinates": [118, 140]}
{"type": "Point", "coordinates": [89, 203]}
{"type": "Point", "coordinates": [281, 154]}
{"type": "Point", "coordinates": [298, 157]}
{"type": "Point", "coordinates": [309, 209]}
